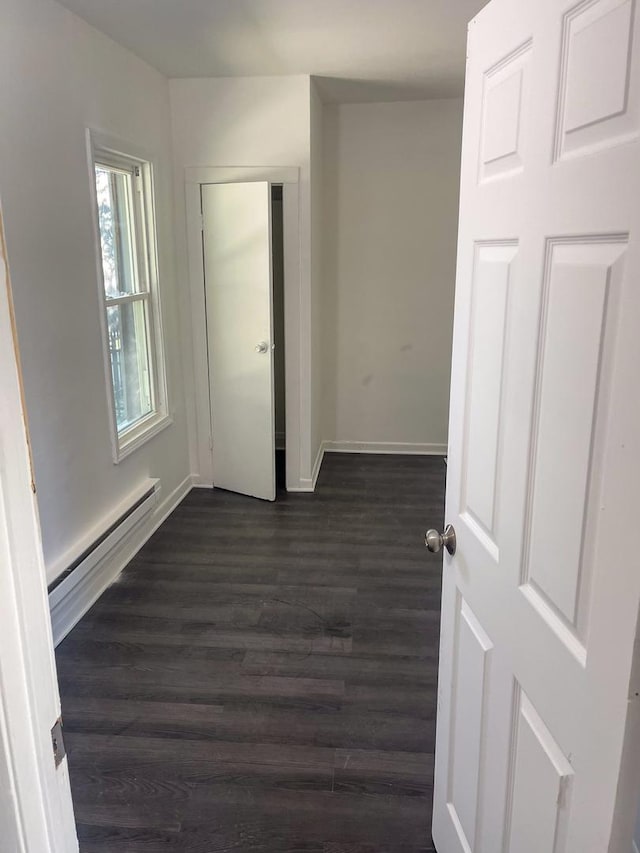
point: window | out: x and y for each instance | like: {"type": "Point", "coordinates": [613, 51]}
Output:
{"type": "Point", "coordinates": [128, 273]}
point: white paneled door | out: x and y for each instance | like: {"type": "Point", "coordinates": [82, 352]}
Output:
{"type": "Point", "coordinates": [237, 266]}
{"type": "Point", "coordinates": [540, 601]}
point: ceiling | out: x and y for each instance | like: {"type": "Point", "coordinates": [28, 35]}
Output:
{"type": "Point", "coordinates": [362, 50]}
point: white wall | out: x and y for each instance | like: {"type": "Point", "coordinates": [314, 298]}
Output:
{"type": "Point", "coordinates": [637, 834]}
{"type": "Point", "coordinates": [61, 76]}
{"type": "Point", "coordinates": [246, 121]}
{"type": "Point", "coordinates": [391, 204]}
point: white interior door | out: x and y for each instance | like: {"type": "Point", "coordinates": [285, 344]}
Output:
{"type": "Point", "coordinates": [540, 600]}
{"type": "Point", "coordinates": [237, 266]}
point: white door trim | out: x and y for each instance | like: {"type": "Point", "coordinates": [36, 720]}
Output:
{"type": "Point", "coordinates": [297, 302]}
{"type": "Point", "coordinates": [29, 699]}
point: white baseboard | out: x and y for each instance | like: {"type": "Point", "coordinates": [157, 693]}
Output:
{"type": "Point", "coordinates": [309, 485]}
{"type": "Point", "coordinates": [410, 448]}
{"type": "Point", "coordinates": [317, 465]}
{"type": "Point", "coordinates": [304, 485]}
{"type": "Point", "coordinates": [198, 483]}
{"type": "Point", "coordinates": [75, 595]}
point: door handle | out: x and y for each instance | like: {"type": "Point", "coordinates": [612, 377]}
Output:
{"type": "Point", "coordinates": [263, 346]}
{"type": "Point", "coordinates": [434, 540]}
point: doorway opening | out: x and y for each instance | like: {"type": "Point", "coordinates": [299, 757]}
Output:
{"type": "Point", "coordinates": [199, 188]}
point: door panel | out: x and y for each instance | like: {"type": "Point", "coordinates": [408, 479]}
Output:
{"type": "Point", "coordinates": [540, 601]}
{"type": "Point", "coordinates": [581, 280]}
{"type": "Point", "coordinates": [540, 785]}
{"type": "Point", "coordinates": [489, 297]}
{"type": "Point", "coordinates": [505, 88]}
{"type": "Point", "coordinates": [599, 104]}
{"type": "Point", "coordinates": [237, 263]}
{"type": "Point", "coordinates": [473, 648]}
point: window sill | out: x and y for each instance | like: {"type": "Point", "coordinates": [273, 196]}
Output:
{"type": "Point", "coordinates": [139, 435]}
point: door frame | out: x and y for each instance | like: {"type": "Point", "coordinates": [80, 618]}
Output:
{"type": "Point", "coordinates": [39, 794]}
{"type": "Point", "coordinates": [297, 319]}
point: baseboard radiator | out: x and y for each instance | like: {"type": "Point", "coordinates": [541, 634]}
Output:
{"type": "Point", "coordinates": [86, 577]}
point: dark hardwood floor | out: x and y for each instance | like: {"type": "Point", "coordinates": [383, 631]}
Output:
{"type": "Point", "coordinates": [262, 677]}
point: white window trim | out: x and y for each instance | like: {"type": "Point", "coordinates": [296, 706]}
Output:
{"type": "Point", "coordinates": [125, 442]}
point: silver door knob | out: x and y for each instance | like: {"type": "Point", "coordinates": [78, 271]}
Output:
{"type": "Point", "coordinates": [435, 541]}
{"type": "Point", "coordinates": [263, 346]}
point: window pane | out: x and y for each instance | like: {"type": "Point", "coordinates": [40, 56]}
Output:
{"type": "Point", "coordinates": [117, 236]}
{"type": "Point", "coordinates": [130, 368]}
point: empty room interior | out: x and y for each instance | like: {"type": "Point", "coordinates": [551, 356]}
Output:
{"type": "Point", "coordinates": [233, 234]}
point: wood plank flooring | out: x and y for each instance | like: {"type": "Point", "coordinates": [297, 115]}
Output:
{"type": "Point", "coordinates": [262, 677]}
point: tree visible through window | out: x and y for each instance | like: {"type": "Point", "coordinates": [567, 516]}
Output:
{"type": "Point", "coordinates": [127, 241]}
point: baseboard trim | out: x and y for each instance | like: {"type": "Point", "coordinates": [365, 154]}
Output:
{"type": "Point", "coordinates": [393, 447]}
{"type": "Point", "coordinates": [71, 600]}
{"type": "Point", "coordinates": [197, 483]}
{"type": "Point", "coordinates": [317, 465]}
{"type": "Point", "coordinates": [309, 484]}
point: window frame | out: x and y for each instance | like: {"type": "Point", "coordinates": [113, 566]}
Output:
{"type": "Point", "coordinates": [112, 153]}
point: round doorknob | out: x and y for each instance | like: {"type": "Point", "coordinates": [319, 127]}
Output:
{"type": "Point", "coordinates": [436, 541]}
{"type": "Point", "coordinates": [263, 346]}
